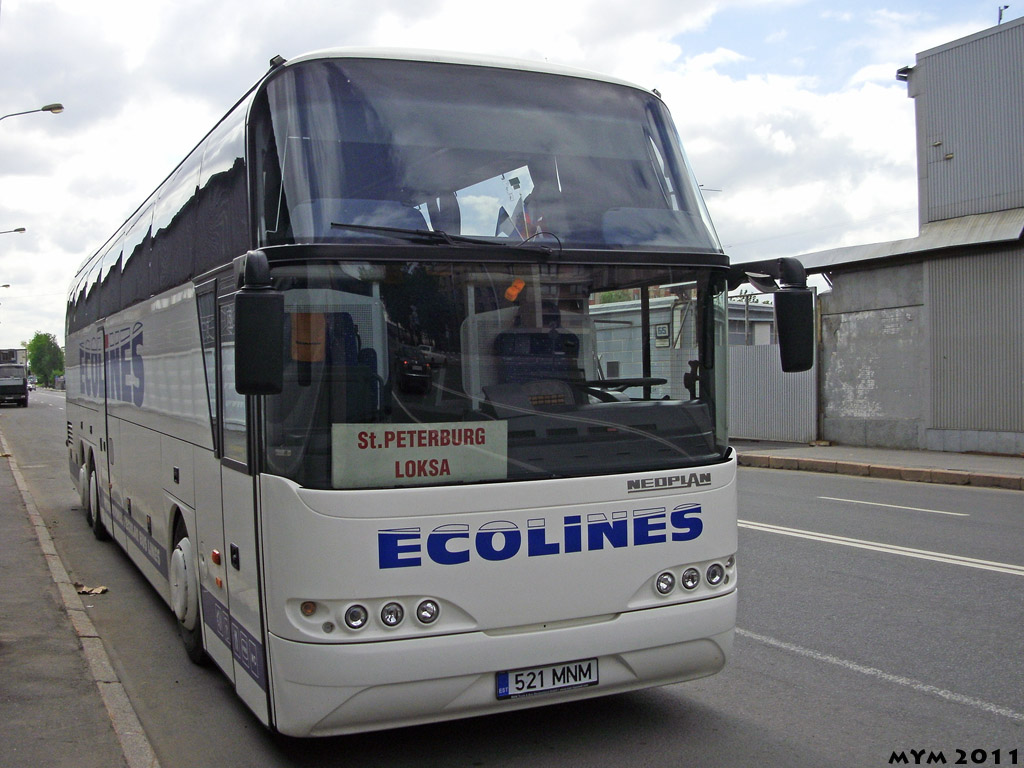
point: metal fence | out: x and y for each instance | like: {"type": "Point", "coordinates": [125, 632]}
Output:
{"type": "Point", "coordinates": [767, 404]}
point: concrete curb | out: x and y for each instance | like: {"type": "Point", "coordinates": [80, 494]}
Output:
{"type": "Point", "coordinates": [883, 471]}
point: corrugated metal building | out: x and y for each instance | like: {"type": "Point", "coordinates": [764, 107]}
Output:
{"type": "Point", "coordinates": [922, 340]}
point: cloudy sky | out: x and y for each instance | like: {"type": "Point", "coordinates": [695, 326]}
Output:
{"type": "Point", "coordinates": [789, 109]}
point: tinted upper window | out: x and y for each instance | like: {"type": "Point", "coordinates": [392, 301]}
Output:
{"type": "Point", "coordinates": [346, 144]}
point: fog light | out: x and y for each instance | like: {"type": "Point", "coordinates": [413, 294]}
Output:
{"type": "Point", "coordinates": [665, 583]}
{"type": "Point", "coordinates": [715, 574]}
{"type": "Point", "coordinates": [427, 611]}
{"type": "Point", "coordinates": [308, 608]}
{"type": "Point", "coordinates": [356, 616]}
{"type": "Point", "coordinates": [730, 561]}
{"type": "Point", "coordinates": [392, 614]}
{"type": "Point", "coordinates": [691, 578]}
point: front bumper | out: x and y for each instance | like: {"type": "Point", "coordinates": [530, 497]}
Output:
{"type": "Point", "coordinates": [326, 690]}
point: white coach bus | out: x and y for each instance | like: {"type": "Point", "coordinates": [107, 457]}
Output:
{"type": "Point", "coordinates": [363, 536]}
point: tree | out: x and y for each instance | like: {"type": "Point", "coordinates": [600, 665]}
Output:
{"type": "Point", "coordinates": [45, 358]}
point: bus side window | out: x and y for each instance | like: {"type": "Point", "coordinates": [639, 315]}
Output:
{"type": "Point", "coordinates": [234, 422]}
{"type": "Point", "coordinates": [206, 304]}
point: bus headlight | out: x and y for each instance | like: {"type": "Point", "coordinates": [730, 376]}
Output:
{"type": "Point", "coordinates": [427, 612]}
{"type": "Point", "coordinates": [665, 582]}
{"type": "Point", "coordinates": [392, 614]}
{"type": "Point", "coordinates": [691, 578]}
{"type": "Point", "coordinates": [356, 616]}
{"type": "Point", "coordinates": [715, 574]}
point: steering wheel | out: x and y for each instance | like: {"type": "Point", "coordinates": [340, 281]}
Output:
{"type": "Point", "coordinates": [602, 388]}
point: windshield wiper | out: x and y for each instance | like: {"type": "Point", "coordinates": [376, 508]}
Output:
{"type": "Point", "coordinates": [436, 237]}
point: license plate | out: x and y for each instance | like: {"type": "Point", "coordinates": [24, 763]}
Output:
{"type": "Point", "coordinates": [554, 677]}
{"type": "Point", "coordinates": [417, 368]}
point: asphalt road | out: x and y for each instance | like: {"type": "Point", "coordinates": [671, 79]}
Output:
{"type": "Point", "coordinates": [878, 620]}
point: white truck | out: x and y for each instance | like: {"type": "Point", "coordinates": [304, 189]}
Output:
{"type": "Point", "coordinates": [13, 377]}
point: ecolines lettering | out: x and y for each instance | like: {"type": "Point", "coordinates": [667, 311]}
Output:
{"type": "Point", "coordinates": [125, 373]}
{"type": "Point", "coordinates": [90, 364]}
{"type": "Point", "coordinates": [497, 540]}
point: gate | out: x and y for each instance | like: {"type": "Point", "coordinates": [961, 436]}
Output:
{"type": "Point", "coordinates": [767, 404]}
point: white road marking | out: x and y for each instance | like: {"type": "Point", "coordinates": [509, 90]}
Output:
{"type": "Point", "coordinates": [892, 549]}
{"type": "Point", "coordinates": [906, 682]}
{"type": "Point", "coordinates": [895, 506]}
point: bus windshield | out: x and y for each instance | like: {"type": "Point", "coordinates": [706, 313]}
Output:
{"type": "Point", "coordinates": [347, 147]}
{"type": "Point", "coordinates": [8, 371]}
{"type": "Point", "coordinates": [439, 372]}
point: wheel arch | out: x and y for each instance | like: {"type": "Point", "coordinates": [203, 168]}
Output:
{"type": "Point", "coordinates": [180, 514]}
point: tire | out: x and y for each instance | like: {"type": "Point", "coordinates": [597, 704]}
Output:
{"type": "Point", "coordinates": [92, 510]}
{"type": "Point", "coordinates": [183, 576]}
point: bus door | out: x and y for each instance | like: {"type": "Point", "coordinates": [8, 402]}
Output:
{"type": "Point", "coordinates": [241, 537]}
{"type": "Point", "coordinates": [213, 576]}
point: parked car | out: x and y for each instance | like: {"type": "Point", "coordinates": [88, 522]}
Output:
{"type": "Point", "coordinates": [431, 355]}
{"type": "Point", "coordinates": [412, 371]}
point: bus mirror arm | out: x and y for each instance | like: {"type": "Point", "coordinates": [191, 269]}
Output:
{"type": "Point", "coordinates": [786, 280]}
{"type": "Point", "coordinates": [259, 328]}
{"type": "Point", "coordinates": [770, 275]}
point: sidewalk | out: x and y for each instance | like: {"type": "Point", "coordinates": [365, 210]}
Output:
{"type": "Point", "coordinates": [61, 703]}
{"type": "Point", "coordinates": [919, 466]}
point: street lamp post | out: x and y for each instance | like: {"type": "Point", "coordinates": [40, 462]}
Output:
{"type": "Point", "coordinates": [55, 109]}
{"type": "Point", "coordinates": [8, 231]}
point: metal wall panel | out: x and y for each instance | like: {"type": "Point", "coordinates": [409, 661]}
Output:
{"type": "Point", "coordinates": [969, 98]}
{"type": "Point", "coordinates": [976, 306]}
{"type": "Point", "coordinates": [767, 404]}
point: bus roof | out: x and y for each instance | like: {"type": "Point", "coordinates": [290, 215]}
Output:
{"type": "Point", "coordinates": [468, 59]}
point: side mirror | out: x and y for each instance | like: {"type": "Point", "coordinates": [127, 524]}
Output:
{"type": "Point", "coordinates": [259, 328]}
{"type": "Point", "coordinates": [794, 320]}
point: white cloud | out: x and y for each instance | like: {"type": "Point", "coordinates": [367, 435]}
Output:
{"type": "Point", "coordinates": [800, 168]}
{"type": "Point", "coordinates": [775, 140]}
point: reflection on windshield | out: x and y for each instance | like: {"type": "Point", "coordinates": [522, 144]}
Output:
{"type": "Point", "coordinates": [453, 373]}
{"type": "Point", "coordinates": [473, 151]}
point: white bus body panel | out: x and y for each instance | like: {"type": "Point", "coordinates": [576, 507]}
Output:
{"type": "Point", "coordinates": [338, 689]}
{"type": "Point", "coordinates": [145, 369]}
{"type": "Point", "coordinates": [544, 604]}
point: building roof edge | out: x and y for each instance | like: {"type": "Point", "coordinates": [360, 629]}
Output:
{"type": "Point", "coordinates": [977, 229]}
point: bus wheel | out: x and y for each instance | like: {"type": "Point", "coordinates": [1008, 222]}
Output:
{"type": "Point", "coordinates": [184, 580]}
{"type": "Point", "coordinates": [92, 510]}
